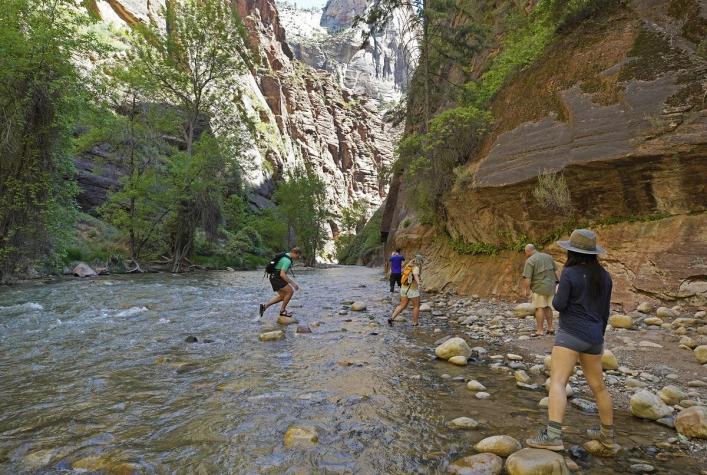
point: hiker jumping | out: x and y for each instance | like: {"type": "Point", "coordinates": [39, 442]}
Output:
{"type": "Point", "coordinates": [281, 283]}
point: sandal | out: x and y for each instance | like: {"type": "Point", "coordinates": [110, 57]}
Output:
{"type": "Point", "coordinates": [286, 314]}
{"type": "Point", "coordinates": [262, 309]}
{"type": "Point", "coordinates": [536, 335]}
{"type": "Point", "coordinates": [550, 332]}
{"type": "Point", "coordinates": [390, 322]}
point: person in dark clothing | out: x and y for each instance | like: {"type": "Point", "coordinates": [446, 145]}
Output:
{"type": "Point", "coordinates": [396, 268]}
{"type": "Point", "coordinates": [583, 299]}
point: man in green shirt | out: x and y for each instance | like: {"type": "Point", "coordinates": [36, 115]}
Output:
{"type": "Point", "coordinates": [539, 280]}
{"type": "Point", "coordinates": [281, 283]}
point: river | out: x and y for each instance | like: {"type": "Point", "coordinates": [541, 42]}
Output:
{"type": "Point", "coordinates": [96, 374]}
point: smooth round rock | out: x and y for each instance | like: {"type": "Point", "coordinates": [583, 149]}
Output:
{"type": "Point", "coordinates": [672, 394]}
{"type": "Point", "coordinates": [466, 423]}
{"type": "Point", "coordinates": [621, 321]}
{"type": "Point", "coordinates": [609, 361]}
{"type": "Point", "coordinates": [479, 464]}
{"type": "Point", "coordinates": [358, 306]}
{"type": "Point", "coordinates": [646, 405]}
{"type": "Point", "coordinates": [536, 462]}
{"type": "Point", "coordinates": [458, 360]}
{"type": "Point", "coordinates": [453, 347]}
{"type": "Point", "coordinates": [598, 449]}
{"type": "Point", "coordinates": [701, 354]}
{"type": "Point", "coordinates": [524, 310]}
{"type": "Point", "coordinates": [665, 312]}
{"type": "Point", "coordinates": [642, 468]}
{"type": "Point", "coordinates": [474, 385]}
{"type": "Point", "coordinates": [272, 336]}
{"type": "Point", "coordinates": [501, 445]}
{"type": "Point", "coordinates": [482, 395]}
{"type": "Point", "coordinates": [284, 320]}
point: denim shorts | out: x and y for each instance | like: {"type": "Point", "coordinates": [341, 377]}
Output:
{"type": "Point", "coordinates": [571, 342]}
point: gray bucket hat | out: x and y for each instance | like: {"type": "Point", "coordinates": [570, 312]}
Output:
{"type": "Point", "coordinates": [583, 241]}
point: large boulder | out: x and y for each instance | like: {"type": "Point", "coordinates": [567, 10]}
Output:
{"type": "Point", "coordinates": [701, 354]}
{"type": "Point", "coordinates": [609, 361]}
{"type": "Point", "coordinates": [692, 422]}
{"type": "Point", "coordinates": [83, 270]}
{"type": "Point", "coordinates": [501, 445]}
{"type": "Point", "coordinates": [621, 321]}
{"type": "Point", "coordinates": [523, 310]}
{"type": "Point", "coordinates": [646, 405]}
{"type": "Point", "coordinates": [536, 462]}
{"type": "Point", "coordinates": [453, 347]}
{"type": "Point", "coordinates": [479, 464]}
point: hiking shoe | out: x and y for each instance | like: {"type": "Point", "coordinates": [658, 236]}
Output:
{"type": "Point", "coordinates": [544, 441]}
{"type": "Point", "coordinates": [390, 322]}
{"type": "Point", "coordinates": [262, 310]}
{"type": "Point", "coordinates": [595, 433]}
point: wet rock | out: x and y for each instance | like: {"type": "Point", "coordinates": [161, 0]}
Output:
{"type": "Point", "coordinates": [301, 436]}
{"type": "Point", "coordinates": [547, 362]}
{"type": "Point", "coordinates": [303, 329]}
{"type": "Point", "coordinates": [523, 310]}
{"type": "Point", "coordinates": [466, 423]}
{"type": "Point", "coordinates": [458, 360]}
{"type": "Point", "coordinates": [646, 405]}
{"type": "Point", "coordinates": [598, 449]}
{"type": "Point", "coordinates": [683, 322]}
{"type": "Point", "coordinates": [536, 461]}
{"type": "Point", "coordinates": [688, 342]}
{"type": "Point", "coordinates": [642, 468]}
{"type": "Point", "coordinates": [479, 464]}
{"type": "Point", "coordinates": [442, 340]}
{"type": "Point", "coordinates": [645, 307]}
{"type": "Point", "coordinates": [526, 386]}
{"type": "Point", "coordinates": [482, 395]}
{"type": "Point", "coordinates": [103, 464]}
{"type": "Point", "coordinates": [668, 421]}
{"type": "Point", "coordinates": [514, 357]}
{"type": "Point", "coordinates": [621, 321]}
{"type": "Point", "coordinates": [609, 361]}
{"type": "Point", "coordinates": [655, 321]}
{"type": "Point", "coordinates": [501, 445]}
{"type": "Point", "coordinates": [692, 422]}
{"type": "Point", "coordinates": [572, 465]}
{"type": "Point", "coordinates": [584, 405]}
{"type": "Point", "coordinates": [696, 383]}
{"type": "Point", "coordinates": [358, 306]}
{"type": "Point", "coordinates": [672, 394]}
{"type": "Point", "coordinates": [521, 376]}
{"type": "Point", "coordinates": [191, 339]}
{"type": "Point", "coordinates": [701, 354]}
{"type": "Point", "coordinates": [579, 453]}
{"type": "Point", "coordinates": [666, 313]}
{"type": "Point", "coordinates": [425, 307]}
{"type": "Point", "coordinates": [284, 320]}
{"type": "Point", "coordinates": [83, 270]}
{"type": "Point", "coordinates": [453, 347]}
{"type": "Point", "coordinates": [272, 336]}
{"type": "Point", "coordinates": [544, 402]}
{"type": "Point", "coordinates": [474, 385]}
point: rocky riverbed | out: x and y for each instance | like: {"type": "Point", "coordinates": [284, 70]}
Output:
{"type": "Point", "coordinates": [171, 374]}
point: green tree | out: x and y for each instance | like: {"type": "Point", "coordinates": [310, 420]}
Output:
{"type": "Point", "coordinates": [301, 201]}
{"type": "Point", "coordinates": [193, 64]}
{"type": "Point", "coordinates": [40, 90]}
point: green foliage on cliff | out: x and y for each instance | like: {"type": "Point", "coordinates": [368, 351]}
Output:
{"type": "Point", "coordinates": [363, 247]}
{"type": "Point", "coordinates": [41, 92]}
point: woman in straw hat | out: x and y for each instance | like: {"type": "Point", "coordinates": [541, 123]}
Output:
{"type": "Point", "coordinates": [583, 299]}
{"type": "Point", "coordinates": [410, 290]}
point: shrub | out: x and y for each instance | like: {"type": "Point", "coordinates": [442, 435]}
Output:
{"type": "Point", "coordinates": [552, 192]}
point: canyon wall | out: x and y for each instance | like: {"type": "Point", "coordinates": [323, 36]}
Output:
{"type": "Point", "coordinates": [303, 117]}
{"type": "Point", "coordinates": [618, 106]}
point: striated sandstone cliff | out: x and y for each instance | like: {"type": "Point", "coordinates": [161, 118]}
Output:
{"type": "Point", "coordinates": [304, 117]}
{"type": "Point", "coordinates": [618, 106]}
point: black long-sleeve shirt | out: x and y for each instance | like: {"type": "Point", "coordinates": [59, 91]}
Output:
{"type": "Point", "coordinates": [581, 315]}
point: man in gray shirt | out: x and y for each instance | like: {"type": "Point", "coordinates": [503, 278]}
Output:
{"type": "Point", "coordinates": [539, 280]}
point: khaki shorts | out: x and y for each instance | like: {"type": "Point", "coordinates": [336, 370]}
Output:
{"type": "Point", "coordinates": [408, 292]}
{"type": "Point", "coordinates": [541, 301]}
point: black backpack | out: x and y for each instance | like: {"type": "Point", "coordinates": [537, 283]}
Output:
{"type": "Point", "coordinates": [270, 268]}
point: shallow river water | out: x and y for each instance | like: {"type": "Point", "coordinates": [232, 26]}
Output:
{"type": "Point", "coordinates": [96, 374]}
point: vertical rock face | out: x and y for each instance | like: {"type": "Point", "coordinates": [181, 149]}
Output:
{"type": "Point", "coordinates": [304, 117]}
{"type": "Point", "coordinates": [618, 107]}
{"type": "Point", "coordinates": [327, 39]}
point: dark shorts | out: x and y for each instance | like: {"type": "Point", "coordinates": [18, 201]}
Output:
{"type": "Point", "coordinates": [571, 342]}
{"type": "Point", "coordinates": [278, 283]}
{"type": "Point", "coordinates": [395, 278]}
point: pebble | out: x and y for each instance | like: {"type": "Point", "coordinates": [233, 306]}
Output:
{"type": "Point", "coordinates": [466, 423]}
{"type": "Point", "coordinates": [474, 385]}
{"type": "Point", "coordinates": [514, 357]}
{"type": "Point", "coordinates": [482, 395]}
{"type": "Point", "coordinates": [642, 468]}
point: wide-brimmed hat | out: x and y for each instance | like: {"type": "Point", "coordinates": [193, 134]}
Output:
{"type": "Point", "coordinates": [419, 258]}
{"type": "Point", "coordinates": [583, 241]}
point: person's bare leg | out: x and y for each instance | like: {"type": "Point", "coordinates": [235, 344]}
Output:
{"type": "Point", "coordinates": [539, 317]}
{"type": "Point", "coordinates": [563, 361]}
{"type": "Point", "coordinates": [548, 318]}
{"type": "Point", "coordinates": [591, 365]}
{"type": "Point", "coordinates": [288, 292]}
{"type": "Point", "coordinates": [402, 306]}
{"type": "Point", "coordinates": [415, 310]}
{"type": "Point", "coordinates": [276, 298]}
